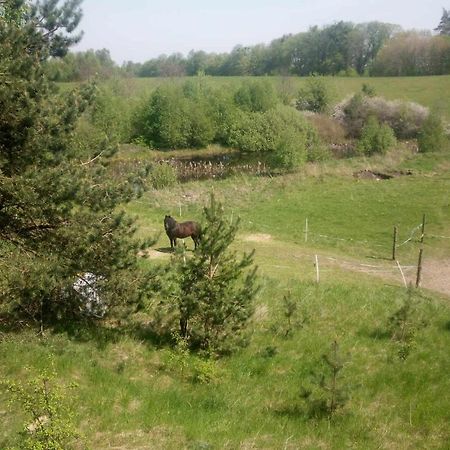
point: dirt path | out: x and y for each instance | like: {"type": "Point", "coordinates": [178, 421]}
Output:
{"type": "Point", "coordinates": [435, 273]}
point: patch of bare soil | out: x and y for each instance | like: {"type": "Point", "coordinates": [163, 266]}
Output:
{"type": "Point", "coordinates": [436, 275]}
{"type": "Point", "coordinates": [259, 237]}
{"type": "Point", "coordinates": [154, 254]}
{"type": "Point", "coordinates": [367, 174]}
{"type": "Point", "coordinates": [435, 272]}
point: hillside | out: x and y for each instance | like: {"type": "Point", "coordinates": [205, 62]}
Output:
{"type": "Point", "coordinates": [134, 391]}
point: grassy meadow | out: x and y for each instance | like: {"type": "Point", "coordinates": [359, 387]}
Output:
{"type": "Point", "coordinates": [135, 391]}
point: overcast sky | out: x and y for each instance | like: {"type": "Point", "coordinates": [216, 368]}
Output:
{"type": "Point", "coordinates": [139, 30]}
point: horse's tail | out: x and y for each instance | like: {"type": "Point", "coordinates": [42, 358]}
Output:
{"type": "Point", "coordinates": [198, 234]}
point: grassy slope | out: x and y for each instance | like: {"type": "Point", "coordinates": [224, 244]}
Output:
{"type": "Point", "coordinates": [132, 394]}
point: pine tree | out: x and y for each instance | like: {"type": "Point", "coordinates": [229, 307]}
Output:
{"type": "Point", "coordinates": [215, 289]}
{"type": "Point", "coordinates": [444, 25]}
{"type": "Point", "coordinates": [58, 205]}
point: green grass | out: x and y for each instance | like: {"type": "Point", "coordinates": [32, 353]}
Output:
{"type": "Point", "coordinates": [344, 214]}
{"type": "Point", "coordinates": [129, 394]}
{"type": "Point", "coordinates": [133, 393]}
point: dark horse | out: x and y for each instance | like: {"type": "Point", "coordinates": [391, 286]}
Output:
{"type": "Point", "coordinates": [182, 230]}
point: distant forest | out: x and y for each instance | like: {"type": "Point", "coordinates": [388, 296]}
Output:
{"type": "Point", "coordinates": [343, 48]}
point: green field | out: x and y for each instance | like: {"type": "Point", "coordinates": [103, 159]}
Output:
{"type": "Point", "coordinates": [134, 391]}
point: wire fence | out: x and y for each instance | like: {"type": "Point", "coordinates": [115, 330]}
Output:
{"type": "Point", "coordinates": [411, 273]}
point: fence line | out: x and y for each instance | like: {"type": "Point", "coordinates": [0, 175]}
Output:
{"type": "Point", "coordinates": [437, 236]}
{"type": "Point", "coordinates": [413, 231]}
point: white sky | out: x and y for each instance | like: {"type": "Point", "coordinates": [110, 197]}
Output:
{"type": "Point", "coordinates": [139, 30]}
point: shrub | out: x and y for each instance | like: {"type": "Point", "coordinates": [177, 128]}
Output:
{"type": "Point", "coordinates": [111, 113]}
{"type": "Point", "coordinates": [265, 132]}
{"type": "Point", "coordinates": [49, 422]}
{"type": "Point", "coordinates": [226, 116]}
{"type": "Point", "coordinates": [182, 116]}
{"type": "Point", "coordinates": [163, 175]}
{"type": "Point", "coordinates": [315, 96]}
{"type": "Point", "coordinates": [289, 152]}
{"type": "Point", "coordinates": [405, 118]}
{"type": "Point", "coordinates": [376, 137]}
{"type": "Point", "coordinates": [255, 132]}
{"type": "Point", "coordinates": [368, 90]}
{"type": "Point", "coordinates": [202, 129]}
{"type": "Point", "coordinates": [164, 120]}
{"type": "Point", "coordinates": [256, 96]}
{"type": "Point", "coordinates": [432, 136]}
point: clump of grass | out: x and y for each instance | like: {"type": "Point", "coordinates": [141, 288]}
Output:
{"type": "Point", "coordinates": [163, 175]}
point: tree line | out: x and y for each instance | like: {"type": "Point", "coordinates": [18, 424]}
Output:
{"type": "Point", "coordinates": [343, 48]}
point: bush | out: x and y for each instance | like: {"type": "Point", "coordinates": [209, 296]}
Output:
{"type": "Point", "coordinates": [376, 137]}
{"type": "Point", "coordinates": [281, 132]}
{"type": "Point", "coordinates": [164, 121]}
{"type": "Point", "coordinates": [405, 118]}
{"type": "Point", "coordinates": [186, 116]}
{"type": "Point", "coordinates": [256, 96]}
{"type": "Point", "coordinates": [289, 153]}
{"type": "Point", "coordinates": [368, 90]}
{"type": "Point", "coordinates": [49, 422]}
{"type": "Point", "coordinates": [262, 132]}
{"type": "Point", "coordinates": [163, 175]}
{"type": "Point", "coordinates": [111, 113]}
{"type": "Point", "coordinates": [315, 96]}
{"type": "Point", "coordinates": [432, 136]}
{"type": "Point", "coordinates": [202, 129]}
{"type": "Point", "coordinates": [255, 132]}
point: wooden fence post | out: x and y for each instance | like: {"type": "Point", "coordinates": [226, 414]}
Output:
{"type": "Point", "coordinates": [317, 270]}
{"type": "Point", "coordinates": [394, 244]}
{"type": "Point", "coordinates": [423, 229]}
{"type": "Point", "coordinates": [419, 269]}
{"type": "Point", "coordinates": [306, 230]}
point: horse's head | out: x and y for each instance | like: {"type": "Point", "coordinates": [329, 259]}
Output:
{"type": "Point", "coordinates": [169, 222]}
